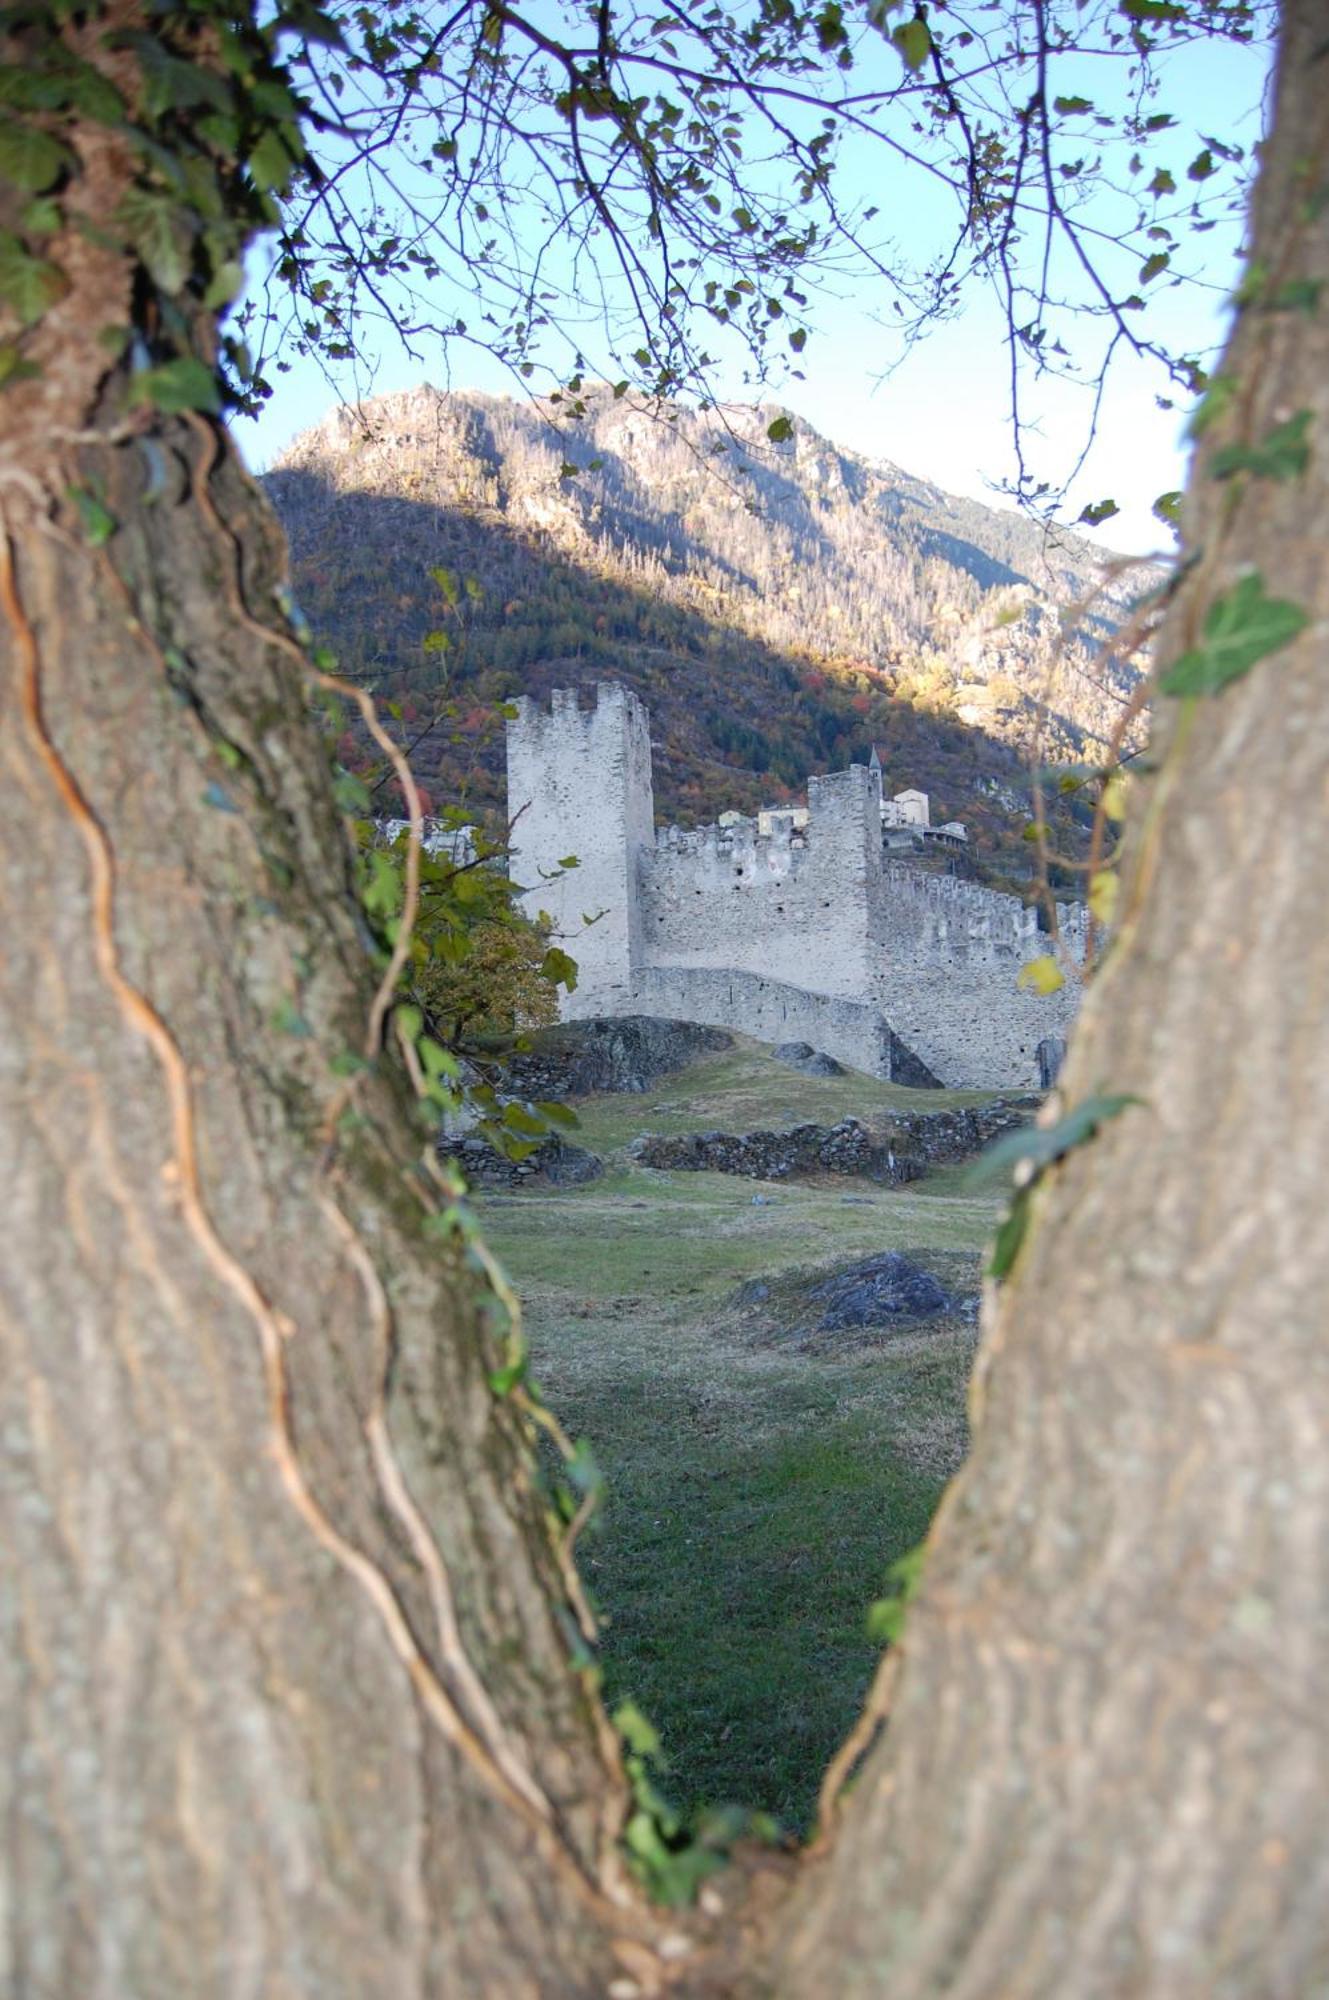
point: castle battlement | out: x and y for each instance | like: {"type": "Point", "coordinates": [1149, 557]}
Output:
{"type": "Point", "coordinates": [614, 706]}
{"type": "Point", "coordinates": [745, 928]}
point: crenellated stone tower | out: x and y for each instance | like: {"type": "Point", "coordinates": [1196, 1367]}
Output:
{"type": "Point", "coordinates": [579, 783]}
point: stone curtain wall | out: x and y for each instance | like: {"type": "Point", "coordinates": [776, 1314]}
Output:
{"type": "Point", "coordinates": [791, 907]}
{"type": "Point", "coordinates": [853, 1031]}
{"type": "Point", "coordinates": [947, 959]}
{"type": "Point", "coordinates": [579, 783]}
{"type": "Point", "coordinates": [808, 936]}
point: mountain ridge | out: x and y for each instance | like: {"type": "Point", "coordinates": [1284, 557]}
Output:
{"type": "Point", "coordinates": [780, 604]}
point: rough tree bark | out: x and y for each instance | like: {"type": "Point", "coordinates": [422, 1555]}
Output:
{"type": "Point", "coordinates": [286, 1695]}
{"type": "Point", "coordinates": [1103, 1770]}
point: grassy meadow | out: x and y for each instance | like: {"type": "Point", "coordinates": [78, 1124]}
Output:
{"type": "Point", "coordinates": [759, 1481]}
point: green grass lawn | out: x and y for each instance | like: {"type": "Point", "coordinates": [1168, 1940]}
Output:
{"type": "Point", "coordinates": [744, 1089]}
{"type": "Point", "coordinates": [756, 1492]}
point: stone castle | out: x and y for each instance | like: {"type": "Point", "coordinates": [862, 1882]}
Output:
{"type": "Point", "coordinates": [811, 930]}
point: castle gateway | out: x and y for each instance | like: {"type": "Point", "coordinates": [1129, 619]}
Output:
{"type": "Point", "coordinates": [812, 933]}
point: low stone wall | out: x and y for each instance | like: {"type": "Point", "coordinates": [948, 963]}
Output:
{"type": "Point", "coordinates": [769, 1010]}
{"type": "Point", "coordinates": [891, 1151]}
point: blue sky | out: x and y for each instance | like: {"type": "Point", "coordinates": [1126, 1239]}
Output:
{"type": "Point", "coordinates": [940, 410]}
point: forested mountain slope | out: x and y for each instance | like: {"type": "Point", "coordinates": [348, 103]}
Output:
{"type": "Point", "coordinates": [780, 606]}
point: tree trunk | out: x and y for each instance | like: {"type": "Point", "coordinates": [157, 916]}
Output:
{"type": "Point", "coordinates": [1103, 1768]}
{"type": "Point", "coordinates": [286, 1702]}
{"type": "Point", "coordinates": [286, 1676]}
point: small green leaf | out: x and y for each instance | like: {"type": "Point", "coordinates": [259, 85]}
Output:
{"type": "Point", "coordinates": [288, 1020]}
{"type": "Point", "coordinates": [1167, 507]}
{"type": "Point", "coordinates": [1039, 1146]}
{"type": "Point", "coordinates": [1282, 454]}
{"type": "Point", "coordinates": [1116, 796]}
{"type": "Point", "coordinates": [1041, 975]}
{"type": "Point", "coordinates": [1213, 405]}
{"type": "Point", "coordinates": [504, 1380]}
{"type": "Point", "coordinates": [559, 969]}
{"type": "Point", "coordinates": [223, 285]}
{"type": "Point", "coordinates": [1071, 107]}
{"type": "Point", "coordinates": [270, 164]}
{"type": "Point", "coordinates": [1243, 626]}
{"type": "Point", "coordinates": [158, 232]}
{"type": "Point", "coordinates": [557, 1114]}
{"type": "Point", "coordinates": [780, 430]}
{"type": "Point", "coordinates": [914, 41]}
{"type": "Point", "coordinates": [886, 1617]}
{"type": "Point", "coordinates": [99, 524]}
{"type": "Point", "coordinates": [15, 366]}
{"type": "Point", "coordinates": [1011, 1232]}
{"type": "Point", "coordinates": [1100, 511]}
{"type": "Point", "coordinates": [1153, 265]}
{"type": "Point", "coordinates": [1296, 295]}
{"type": "Point", "coordinates": [29, 285]}
{"type": "Point", "coordinates": [518, 1119]}
{"type": "Point", "coordinates": [31, 159]}
{"type": "Point", "coordinates": [641, 1736]}
{"type": "Point", "coordinates": [184, 384]}
{"type": "Point", "coordinates": [41, 217]}
{"type": "Point", "coordinates": [437, 1060]}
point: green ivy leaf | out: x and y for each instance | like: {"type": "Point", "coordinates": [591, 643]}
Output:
{"type": "Point", "coordinates": [93, 95]}
{"type": "Point", "coordinates": [1167, 507]}
{"type": "Point", "coordinates": [99, 524]}
{"type": "Point", "coordinates": [1297, 295]}
{"type": "Point", "coordinates": [518, 1119]}
{"type": "Point", "coordinates": [1213, 405]}
{"type": "Point", "coordinates": [170, 84]}
{"type": "Point", "coordinates": [29, 285]}
{"type": "Point", "coordinates": [1010, 1235]}
{"type": "Point", "coordinates": [504, 1380]}
{"type": "Point", "coordinates": [1100, 511]}
{"type": "Point", "coordinates": [271, 164]}
{"type": "Point", "coordinates": [559, 969]}
{"type": "Point", "coordinates": [781, 430]}
{"type": "Point", "coordinates": [1283, 454]}
{"type": "Point", "coordinates": [557, 1114]}
{"type": "Point", "coordinates": [640, 1735]}
{"type": "Point", "coordinates": [1040, 1145]}
{"type": "Point", "coordinates": [158, 233]}
{"type": "Point", "coordinates": [1243, 626]}
{"type": "Point", "coordinates": [184, 384]}
{"type": "Point", "coordinates": [31, 159]}
{"type": "Point", "coordinates": [886, 1617]}
{"type": "Point", "coordinates": [15, 367]}
{"type": "Point", "coordinates": [41, 217]}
